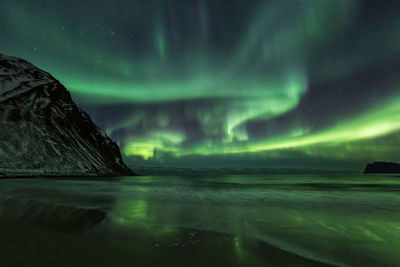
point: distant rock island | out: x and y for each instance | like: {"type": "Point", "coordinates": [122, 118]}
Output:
{"type": "Point", "coordinates": [44, 133]}
{"type": "Point", "coordinates": [382, 167]}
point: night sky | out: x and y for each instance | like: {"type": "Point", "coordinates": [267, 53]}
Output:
{"type": "Point", "coordinates": [284, 83]}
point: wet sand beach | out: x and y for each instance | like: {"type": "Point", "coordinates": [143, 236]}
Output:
{"type": "Point", "coordinates": [27, 245]}
{"type": "Point", "coordinates": [242, 220]}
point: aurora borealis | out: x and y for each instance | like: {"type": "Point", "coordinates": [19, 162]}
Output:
{"type": "Point", "coordinates": [224, 82]}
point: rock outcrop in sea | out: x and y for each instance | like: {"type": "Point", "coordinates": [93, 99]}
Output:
{"type": "Point", "coordinates": [382, 167]}
{"type": "Point", "coordinates": [44, 133]}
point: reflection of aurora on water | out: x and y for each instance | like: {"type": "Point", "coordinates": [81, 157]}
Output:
{"type": "Point", "coordinates": [217, 80]}
{"type": "Point", "coordinates": [297, 213]}
{"type": "Point", "coordinates": [343, 219]}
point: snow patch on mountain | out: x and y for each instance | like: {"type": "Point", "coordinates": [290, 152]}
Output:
{"type": "Point", "coordinates": [43, 132]}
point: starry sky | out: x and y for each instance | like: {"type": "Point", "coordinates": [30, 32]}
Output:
{"type": "Point", "coordinates": [277, 83]}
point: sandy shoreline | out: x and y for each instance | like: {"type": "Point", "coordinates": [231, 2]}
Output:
{"type": "Point", "coordinates": [28, 245]}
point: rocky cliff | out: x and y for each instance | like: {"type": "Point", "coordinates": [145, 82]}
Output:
{"type": "Point", "coordinates": [44, 133]}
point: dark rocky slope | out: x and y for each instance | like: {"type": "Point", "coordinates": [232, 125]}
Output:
{"type": "Point", "coordinates": [382, 167]}
{"type": "Point", "coordinates": [43, 132]}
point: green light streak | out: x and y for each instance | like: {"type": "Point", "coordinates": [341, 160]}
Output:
{"type": "Point", "coordinates": [375, 123]}
{"type": "Point", "coordinates": [261, 76]}
{"type": "Point", "coordinates": [160, 43]}
{"type": "Point", "coordinates": [158, 140]}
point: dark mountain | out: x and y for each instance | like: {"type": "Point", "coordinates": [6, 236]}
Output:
{"type": "Point", "coordinates": [43, 132]}
{"type": "Point", "coordinates": [382, 167]}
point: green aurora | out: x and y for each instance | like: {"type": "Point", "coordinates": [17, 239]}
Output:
{"type": "Point", "coordinates": [224, 81]}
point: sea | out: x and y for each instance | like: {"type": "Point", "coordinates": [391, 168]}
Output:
{"type": "Point", "coordinates": [235, 220]}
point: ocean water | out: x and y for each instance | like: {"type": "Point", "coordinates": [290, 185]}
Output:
{"type": "Point", "coordinates": [343, 220]}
